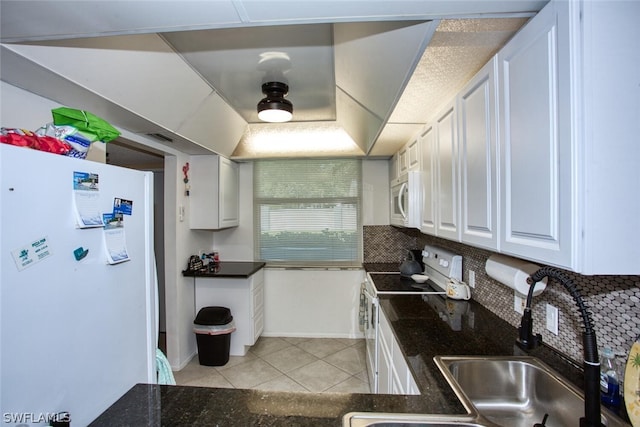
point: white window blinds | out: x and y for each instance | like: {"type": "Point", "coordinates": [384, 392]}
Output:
{"type": "Point", "coordinates": [307, 211]}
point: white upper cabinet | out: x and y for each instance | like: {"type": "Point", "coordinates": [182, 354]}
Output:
{"type": "Point", "coordinates": [446, 158]}
{"type": "Point", "coordinates": [428, 152]}
{"type": "Point", "coordinates": [568, 128]}
{"type": "Point", "coordinates": [478, 159]}
{"type": "Point", "coordinates": [214, 194]}
{"type": "Point", "coordinates": [438, 145]}
{"type": "Point", "coordinates": [403, 161]}
{"type": "Point", "coordinates": [535, 140]}
{"type": "Point", "coordinates": [413, 155]}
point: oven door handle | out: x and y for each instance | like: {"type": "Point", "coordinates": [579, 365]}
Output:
{"type": "Point", "coordinates": [400, 200]}
{"type": "Point", "coordinates": [373, 298]}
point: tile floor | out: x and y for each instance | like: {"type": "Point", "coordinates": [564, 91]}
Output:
{"type": "Point", "coordinates": [288, 364]}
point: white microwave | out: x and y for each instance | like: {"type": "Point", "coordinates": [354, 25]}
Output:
{"type": "Point", "coordinates": [406, 200]}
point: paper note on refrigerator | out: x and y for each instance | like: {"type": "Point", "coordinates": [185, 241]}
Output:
{"type": "Point", "coordinates": [114, 238]}
{"type": "Point", "coordinates": [86, 198]}
{"type": "Point", "coordinates": [32, 253]}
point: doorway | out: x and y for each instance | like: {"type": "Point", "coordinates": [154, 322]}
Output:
{"type": "Point", "coordinates": [126, 154]}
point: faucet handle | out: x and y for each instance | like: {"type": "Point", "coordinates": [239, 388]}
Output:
{"type": "Point", "coordinates": [543, 423]}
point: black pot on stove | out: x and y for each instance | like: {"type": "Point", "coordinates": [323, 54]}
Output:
{"type": "Point", "coordinates": [410, 265]}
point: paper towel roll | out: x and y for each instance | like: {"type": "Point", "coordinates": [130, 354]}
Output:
{"type": "Point", "coordinates": [513, 272]}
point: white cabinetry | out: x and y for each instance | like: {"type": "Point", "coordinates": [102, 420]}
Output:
{"type": "Point", "coordinates": [413, 155]}
{"type": "Point", "coordinates": [405, 160]}
{"type": "Point", "coordinates": [214, 194]}
{"type": "Point", "coordinates": [244, 297]}
{"type": "Point", "coordinates": [447, 211]}
{"type": "Point", "coordinates": [394, 376]}
{"type": "Point", "coordinates": [479, 159]}
{"type": "Point", "coordinates": [439, 152]}
{"type": "Point", "coordinates": [552, 181]}
{"type": "Point", "coordinates": [536, 141]}
{"type": "Point", "coordinates": [569, 149]}
{"type": "Point", "coordinates": [428, 151]}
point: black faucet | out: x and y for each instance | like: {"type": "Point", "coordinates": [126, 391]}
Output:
{"type": "Point", "coordinates": [527, 341]}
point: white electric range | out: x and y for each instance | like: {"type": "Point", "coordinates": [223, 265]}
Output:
{"type": "Point", "coordinates": [440, 265]}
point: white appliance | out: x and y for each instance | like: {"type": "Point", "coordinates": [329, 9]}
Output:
{"type": "Point", "coordinates": [440, 265]}
{"type": "Point", "coordinates": [75, 331]}
{"type": "Point", "coordinates": [406, 200]}
{"type": "Point", "coordinates": [371, 332]}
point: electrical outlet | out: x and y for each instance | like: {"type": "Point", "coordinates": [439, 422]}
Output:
{"type": "Point", "coordinates": [519, 303]}
{"type": "Point", "coordinates": [472, 279]}
{"type": "Point", "coordinates": [552, 319]}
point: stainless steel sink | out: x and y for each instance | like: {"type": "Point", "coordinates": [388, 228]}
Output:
{"type": "Point", "coordinates": [516, 391]}
{"type": "Point", "coordinates": [381, 419]}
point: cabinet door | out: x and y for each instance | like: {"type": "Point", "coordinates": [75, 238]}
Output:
{"type": "Point", "coordinates": [427, 147]}
{"type": "Point", "coordinates": [447, 175]}
{"type": "Point", "coordinates": [478, 159]}
{"type": "Point", "coordinates": [257, 304]}
{"type": "Point", "coordinates": [413, 155]}
{"type": "Point", "coordinates": [403, 161]}
{"type": "Point", "coordinates": [536, 168]}
{"type": "Point", "coordinates": [384, 368]}
{"type": "Point", "coordinates": [229, 193]}
{"type": "Point", "coordinates": [214, 196]}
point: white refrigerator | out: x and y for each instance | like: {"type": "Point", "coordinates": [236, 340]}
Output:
{"type": "Point", "coordinates": [78, 324]}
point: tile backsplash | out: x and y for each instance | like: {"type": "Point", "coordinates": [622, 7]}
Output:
{"type": "Point", "coordinates": [613, 300]}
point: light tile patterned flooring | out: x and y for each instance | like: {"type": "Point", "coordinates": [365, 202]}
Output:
{"type": "Point", "coordinates": [288, 364]}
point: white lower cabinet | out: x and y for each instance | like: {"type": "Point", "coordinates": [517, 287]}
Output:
{"type": "Point", "coordinates": [394, 376]}
{"type": "Point", "coordinates": [244, 297]}
{"type": "Point", "coordinates": [384, 367]}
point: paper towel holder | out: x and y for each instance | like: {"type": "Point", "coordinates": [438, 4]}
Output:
{"type": "Point", "coordinates": [514, 273]}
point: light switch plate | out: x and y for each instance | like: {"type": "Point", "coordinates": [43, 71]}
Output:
{"type": "Point", "coordinates": [552, 319]}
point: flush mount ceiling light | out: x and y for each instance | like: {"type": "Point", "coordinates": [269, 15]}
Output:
{"type": "Point", "coordinates": [273, 107]}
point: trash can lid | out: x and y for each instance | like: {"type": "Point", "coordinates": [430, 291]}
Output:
{"type": "Point", "coordinates": [214, 329]}
{"type": "Point", "coordinates": [213, 316]}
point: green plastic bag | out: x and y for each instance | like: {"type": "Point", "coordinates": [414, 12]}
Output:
{"type": "Point", "coordinates": [89, 124]}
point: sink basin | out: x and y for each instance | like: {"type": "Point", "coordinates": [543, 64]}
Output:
{"type": "Point", "coordinates": [516, 391]}
{"type": "Point", "coordinates": [381, 419]}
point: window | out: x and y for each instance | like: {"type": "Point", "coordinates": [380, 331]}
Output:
{"type": "Point", "coordinates": [307, 211]}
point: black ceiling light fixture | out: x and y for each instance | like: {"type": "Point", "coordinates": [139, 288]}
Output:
{"type": "Point", "coordinates": [274, 108]}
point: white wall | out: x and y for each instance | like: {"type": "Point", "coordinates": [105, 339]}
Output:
{"type": "Point", "coordinates": [22, 109]}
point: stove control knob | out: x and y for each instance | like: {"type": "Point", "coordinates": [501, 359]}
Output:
{"type": "Point", "coordinates": [444, 263]}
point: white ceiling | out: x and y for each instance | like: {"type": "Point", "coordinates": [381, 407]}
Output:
{"type": "Point", "coordinates": [374, 70]}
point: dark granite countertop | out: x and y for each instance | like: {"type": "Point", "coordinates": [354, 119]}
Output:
{"type": "Point", "coordinates": [228, 269]}
{"type": "Point", "coordinates": [155, 405]}
{"type": "Point", "coordinates": [425, 326]}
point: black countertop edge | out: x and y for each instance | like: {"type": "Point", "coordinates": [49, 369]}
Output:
{"type": "Point", "coordinates": [228, 269]}
{"type": "Point", "coordinates": [155, 405]}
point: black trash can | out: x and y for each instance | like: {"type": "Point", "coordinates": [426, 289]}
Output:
{"type": "Point", "coordinates": [213, 327]}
